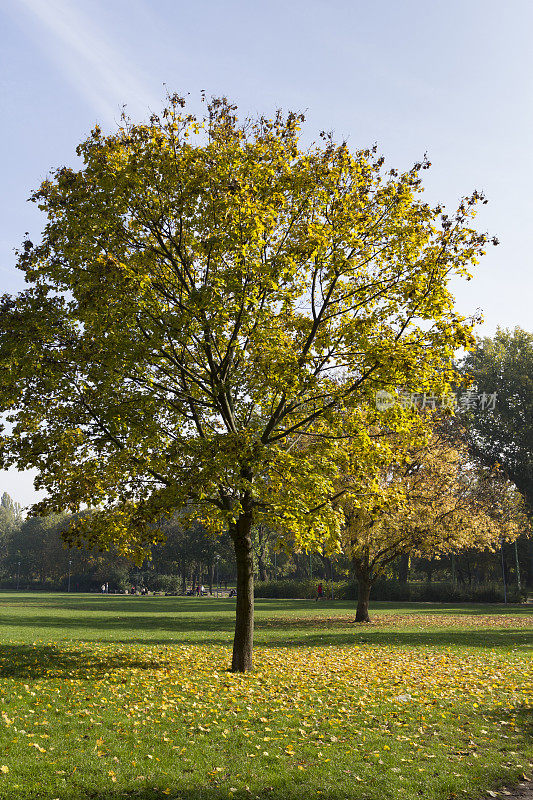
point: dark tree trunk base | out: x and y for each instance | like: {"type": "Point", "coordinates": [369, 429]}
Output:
{"type": "Point", "coordinates": [403, 568]}
{"type": "Point", "coordinates": [361, 615]}
{"type": "Point", "coordinates": [242, 660]}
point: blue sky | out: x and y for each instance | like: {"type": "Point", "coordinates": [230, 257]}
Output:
{"type": "Point", "coordinates": [452, 79]}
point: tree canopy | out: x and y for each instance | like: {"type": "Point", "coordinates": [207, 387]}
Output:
{"type": "Point", "coordinates": [423, 496]}
{"type": "Point", "coordinates": [205, 294]}
{"type": "Point", "coordinates": [504, 364]}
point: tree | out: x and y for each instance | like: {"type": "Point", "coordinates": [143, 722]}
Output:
{"type": "Point", "coordinates": [187, 548]}
{"type": "Point", "coordinates": [37, 545]}
{"type": "Point", "coordinates": [263, 541]}
{"type": "Point", "coordinates": [10, 520]}
{"type": "Point", "coordinates": [206, 290]}
{"type": "Point", "coordinates": [503, 435]}
{"type": "Point", "coordinates": [427, 499]}
{"type": "Point", "coordinates": [37, 553]}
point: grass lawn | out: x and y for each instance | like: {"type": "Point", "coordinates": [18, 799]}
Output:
{"type": "Point", "coordinates": [130, 697]}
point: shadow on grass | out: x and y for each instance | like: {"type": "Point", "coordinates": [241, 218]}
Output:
{"type": "Point", "coordinates": [207, 605]}
{"type": "Point", "coordinates": [47, 660]}
{"type": "Point", "coordinates": [524, 720]}
{"type": "Point", "coordinates": [505, 639]}
{"type": "Point", "coordinates": [154, 623]}
{"type": "Point", "coordinates": [130, 604]}
{"type": "Point", "coordinates": [278, 791]}
{"type": "Point", "coordinates": [209, 620]}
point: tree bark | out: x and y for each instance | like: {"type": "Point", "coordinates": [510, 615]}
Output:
{"type": "Point", "coordinates": [244, 611]}
{"type": "Point", "coordinates": [211, 578]}
{"type": "Point", "coordinates": [363, 597]}
{"type": "Point", "coordinates": [263, 574]}
{"type": "Point", "coordinates": [403, 568]}
{"type": "Point", "coordinates": [301, 568]}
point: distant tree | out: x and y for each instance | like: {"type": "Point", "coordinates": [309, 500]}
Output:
{"type": "Point", "coordinates": [205, 290]}
{"type": "Point", "coordinates": [504, 435]}
{"type": "Point", "coordinates": [10, 520]}
{"type": "Point", "coordinates": [37, 553]}
{"type": "Point", "coordinates": [264, 539]}
{"type": "Point", "coordinates": [189, 549]}
{"type": "Point", "coordinates": [38, 546]}
{"type": "Point", "coordinates": [426, 499]}
{"type": "Point", "coordinates": [9, 509]}
{"type": "Point", "coordinates": [503, 364]}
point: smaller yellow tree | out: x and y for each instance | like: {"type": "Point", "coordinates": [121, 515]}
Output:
{"type": "Point", "coordinates": [426, 499]}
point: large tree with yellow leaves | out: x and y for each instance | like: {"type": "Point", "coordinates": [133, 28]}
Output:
{"type": "Point", "coordinates": [205, 291]}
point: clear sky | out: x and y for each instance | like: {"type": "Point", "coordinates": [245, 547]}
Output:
{"type": "Point", "coordinates": [453, 79]}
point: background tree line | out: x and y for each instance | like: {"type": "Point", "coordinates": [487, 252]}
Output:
{"type": "Point", "coordinates": [34, 556]}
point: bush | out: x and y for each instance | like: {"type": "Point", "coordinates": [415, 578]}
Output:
{"type": "Point", "coordinates": [288, 590]}
{"type": "Point", "coordinates": [456, 593]}
{"type": "Point", "coordinates": [163, 583]}
{"type": "Point", "coordinates": [384, 589]}
{"type": "Point", "coordinates": [303, 590]}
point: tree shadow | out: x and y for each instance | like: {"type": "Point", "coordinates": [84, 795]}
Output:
{"type": "Point", "coordinates": [176, 604]}
{"type": "Point", "coordinates": [271, 633]}
{"type": "Point", "coordinates": [26, 661]}
{"type": "Point", "coordinates": [523, 717]}
{"type": "Point", "coordinates": [119, 603]}
{"type": "Point", "coordinates": [274, 791]}
{"type": "Point", "coordinates": [484, 638]}
{"type": "Point", "coordinates": [147, 623]}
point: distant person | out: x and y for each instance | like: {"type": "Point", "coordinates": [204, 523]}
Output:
{"type": "Point", "coordinates": [106, 588]}
{"type": "Point", "coordinates": [103, 588]}
{"type": "Point", "coordinates": [133, 589]}
{"type": "Point", "coordinates": [319, 593]}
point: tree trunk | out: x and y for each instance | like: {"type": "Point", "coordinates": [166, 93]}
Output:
{"type": "Point", "coordinates": [183, 582]}
{"type": "Point", "coordinates": [263, 574]}
{"type": "Point", "coordinates": [301, 566]}
{"type": "Point", "coordinates": [403, 568]}
{"type": "Point", "coordinates": [363, 597]}
{"type": "Point", "coordinates": [211, 578]}
{"type": "Point", "coordinates": [244, 613]}
{"type": "Point", "coordinates": [326, 567]}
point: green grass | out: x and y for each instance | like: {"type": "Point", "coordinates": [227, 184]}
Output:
{"type": "Point", "coordinates": [130, 698]}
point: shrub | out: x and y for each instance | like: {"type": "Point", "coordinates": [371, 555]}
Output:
{"type": "Point", "coordinates": [163, 583]}
{"type": "Point", "coordinates": [384, 589]}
